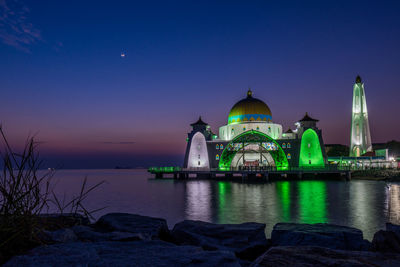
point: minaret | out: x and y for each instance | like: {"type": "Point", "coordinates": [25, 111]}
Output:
{"type": "Point", "coordinates": [360, 138]}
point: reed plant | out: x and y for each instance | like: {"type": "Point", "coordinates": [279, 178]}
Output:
{"type": "Point", "coordinates": [26, 192]}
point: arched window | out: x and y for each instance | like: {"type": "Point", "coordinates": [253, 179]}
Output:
{"type": "Point", "coordinates": [217, 146]}
{"type": "Point", "coordinates": [289, 156]}
{"type": "Point", "coordinates": [244, 129]}
{"type": "Point", "coordinates": [269, 129]}
{"type": "Point", "coordinates": [217, 157]}
{"type": "Point", "coordinates": [258, 128]}
{"type": "Point", "coordinates": [288, 145]}
{"type": "Point", "coordinates": [221, 146]}
{"type": "Point", "coordinates": [284, 145]}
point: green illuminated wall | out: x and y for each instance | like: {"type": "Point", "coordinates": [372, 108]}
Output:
{"type": "Point", "coordinates": [252, 136]}
{"type": "Point", "coordinates": [310, 150]}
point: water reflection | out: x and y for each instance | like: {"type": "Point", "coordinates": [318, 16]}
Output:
{"type": "Point", "coordinates": [363, 204]}
{"type": "Point", "coordinates": [366, 205]}
{"type": "Point", "coordinates": [283, 193]}
{"type": "Point", "coordinates": [393, 203]}
{"type": "Point", "coordinates": [312, 201]}
{"type": "Point", "coordinates": [198, 201]}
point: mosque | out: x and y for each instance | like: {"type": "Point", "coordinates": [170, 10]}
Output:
{"type": "Point", "coordinates": [252, 139]}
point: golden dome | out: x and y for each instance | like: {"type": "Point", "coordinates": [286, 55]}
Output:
{"type": "Point", "coordinates": [249, 109]}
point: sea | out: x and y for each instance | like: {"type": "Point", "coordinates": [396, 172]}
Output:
{"type": "Point", "coordinates": [364, 204]}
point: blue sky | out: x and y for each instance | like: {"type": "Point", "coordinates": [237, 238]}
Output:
{"type": "Point", "coordinates": [63, 79]}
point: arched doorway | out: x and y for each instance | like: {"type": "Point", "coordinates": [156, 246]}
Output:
{"type": "Point", "coordinates": [255, 146]}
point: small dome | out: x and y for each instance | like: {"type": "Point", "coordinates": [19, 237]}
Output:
{"type": "Point", "coordinates": [249, 109]}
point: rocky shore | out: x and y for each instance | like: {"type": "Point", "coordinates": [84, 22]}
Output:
{"type": "Point", "coordinates": [120, 239]}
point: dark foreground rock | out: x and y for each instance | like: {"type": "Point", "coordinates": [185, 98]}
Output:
{"type": "Point", "coordinates": [386, 241]}
{"type": "Point", "coordinates": [54, 221]}
{"type": "Point", "coordinates": [89, 234]}
{"type": "Point", "coordinates": [322, 235]}
{"type": "Point", "coordinates": [148, 227]}
{"type": "Point", "coordinates": [317, 256]}
{"type": "Point", "coordinates": [138, 253]}
{"type": "Point", "coordinates": [246, 240]}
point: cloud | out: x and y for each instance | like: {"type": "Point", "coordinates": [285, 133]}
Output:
{"type": "Point", "coordinates": [15, 28]}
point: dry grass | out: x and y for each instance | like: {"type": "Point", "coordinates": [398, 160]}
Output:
{"type": "Point", "coordinates": [25, 192]}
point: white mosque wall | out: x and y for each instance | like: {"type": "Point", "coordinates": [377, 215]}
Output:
{"type": "Point", "coordinates": [198, 154]}
{"type": "Point", "coordinates": [230, 131]}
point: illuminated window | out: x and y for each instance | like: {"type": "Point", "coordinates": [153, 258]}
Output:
{"type": "Point", "coordinates": [288, 145]}
{"type": "Point", "coordinates": [309, 145]}
{"type": "Point", "coordinates": [283, 145]}
{"type": "Point", "coordinates": [258, 128]}
{"type": "Point", "coordinates": [217, 157]}
{"type": "Point", "coordinates": [217, 146]}
{"type": "Point", "coordinates": [221, 146]}
{"type": "Point", "coordinates": [289, 156]}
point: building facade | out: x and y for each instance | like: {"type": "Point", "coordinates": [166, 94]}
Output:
{"type": "Point", "coordinates": [251, 139]}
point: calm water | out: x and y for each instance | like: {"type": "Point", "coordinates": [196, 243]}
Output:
{"type": "Point", "coordinates": [366, 205]}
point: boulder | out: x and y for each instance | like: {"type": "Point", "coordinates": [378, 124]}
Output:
{"type": "Point", "coordinates": [148, 227]}
{"type": "Point", "coordinates": [56, 221]}
{"type": "Point", "coordinates": [322, 235]}
{"type": "Point", "coordinates": [246, 240]}
{"type": "Point", "coordinates": [394, 228]}
{"type": "Point", "coordinates": [386, 241]}
{"type": "Point", "coordinates": [308, 256]}
{"type": "Point", "coordinates": [138, 253]}
{"type": "Point", "coordinates": [61, 236]}
{"type": "Point", "coordinates": [88, 234]}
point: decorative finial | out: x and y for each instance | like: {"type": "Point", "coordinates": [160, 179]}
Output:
{"type": "Point", "coordinates": [358, 79]}
{"type": "Point", "coordinates": [249, 92]}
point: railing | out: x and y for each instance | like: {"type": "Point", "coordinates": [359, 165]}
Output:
{"type": "Point", "coordinates": [163, 169]}
{"type": "Point", "coordinates": [288, 169]}
{"type": "Point", "coordinates": [154, 170]}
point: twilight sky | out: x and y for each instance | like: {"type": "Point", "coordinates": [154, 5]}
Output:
{"type": "Point", "coordinates": [63, 79]}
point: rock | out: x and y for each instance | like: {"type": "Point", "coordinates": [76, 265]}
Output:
{"type": "Point", "coordinates": [140, 253]}
{"type": "Point", "coordinates": [318, 256]}
{"type": "Point", "coordinates": [394, 228]}
{"type": "Point", "coordinates": [386, 241]}
{"type": "Point", "coordinates": [246, 240]}
{"type": "Point", "coordinates": [61, 236]}
{"type": "Point", "coordinates": [322, 235]}
{"type": "Point", "coordinates": [86, 233]}
{"type": "Point", "coordinates": [55, 221]}
{"type": "Point", "coordinates": [148, 227]}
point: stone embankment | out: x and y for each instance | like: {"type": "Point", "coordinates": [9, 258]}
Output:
{"type": "Point", "coordinates": [120, 239]}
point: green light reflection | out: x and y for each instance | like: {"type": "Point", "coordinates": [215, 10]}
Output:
{"type": "Point", "coordinates": [312, 202]}
{"type": "Point", "coordinates": [283, 191]}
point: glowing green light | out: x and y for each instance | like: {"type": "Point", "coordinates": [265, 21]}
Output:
{"type": "Point", "coordinates": [251, 137]}
{"type": "Point", "coordinates": [312, 202]}
{"type": "Point", "coordinates": [283, 191]}
{"type": "Point", "coordinates": [310, 151]}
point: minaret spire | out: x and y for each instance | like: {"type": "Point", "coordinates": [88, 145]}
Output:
{"type": "Point", "coordinates": [360, 136]}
